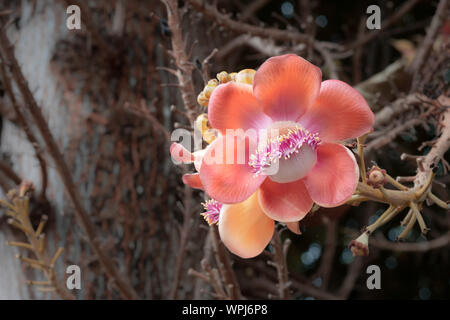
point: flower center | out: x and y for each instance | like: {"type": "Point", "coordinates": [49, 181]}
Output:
{"type": "Point", "coordinates": [289, 154]}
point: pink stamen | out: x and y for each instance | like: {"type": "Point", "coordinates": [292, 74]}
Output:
{"type": "Point", "coordinates": [212, 213]}
{"type": "Point", "coordinates": [282, 146]}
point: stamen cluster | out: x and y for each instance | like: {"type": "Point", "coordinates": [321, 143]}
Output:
{"type": "Point", "coordinates": [212, 211]}
{"type": "Point", "coordinates": [283, 146]}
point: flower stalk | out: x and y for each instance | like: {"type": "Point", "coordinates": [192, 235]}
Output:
{"type": "Point", "coordinates": [371, 187]}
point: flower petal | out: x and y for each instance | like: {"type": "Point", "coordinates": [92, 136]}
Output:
{"type": "Point", "coordinates": [339, 112]}
{"type": "Point", "coordinates": [286, 86]}
{"type": "Point", "coordinates": [233, 106]}
{"type": "Point", "coordinates": [180, 154]}
{"type": "Point", "coordinates": [285, 202]}
{"type": "Point", "coordinates": [294, 227]}
{"type": "Point", "coordinates": [334, 177]}
{"type": "Point", "coordinates": [244, 228]}
{"type": "Point", "coordinates": [193, 180]}
{"type": "Point", "coordinates": [225, 172]}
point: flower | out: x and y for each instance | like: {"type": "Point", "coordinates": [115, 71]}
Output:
{"type": "Point", "coordinates": [310, 118]}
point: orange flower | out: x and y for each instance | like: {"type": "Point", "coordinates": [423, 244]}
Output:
{"type": "Point", "coordinates": [311, 118]}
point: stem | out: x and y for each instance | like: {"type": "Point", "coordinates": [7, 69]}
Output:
{"type": "Point", "coordinates": [380, 221]}
{"type": "Point", "coordinates": [395, 183]}
{"type": "Point", "coordinates": [438, 201]}
{"type": "Point", "coordinates": [423, 226]}
{"type": "Point", "coordinates": [408, 227]}
{"type": "Point", "coordinates": [362, 165]}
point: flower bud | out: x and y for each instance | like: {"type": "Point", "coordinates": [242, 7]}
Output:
{"type": "Point", "coordinates": [360, 246]}
{"type": "Point", "coordinates": [201, 123]}
{"type": "Point", "coordinates": [213, 82]}
{"type": "Point", "coordinates": [233, 76]}
{"type": "Point", "coordinates": [209, 135]}
{"type": "Point", "coordinates": [202, 100]}
{"type": "Point", "coordinates": [223, 77]}
{"type": "Point", "coordinates": [245, 76]}
{"type": "Point", "coordinates": [207, 91]}
{"type": "Point", "coordinates": [376, 177]}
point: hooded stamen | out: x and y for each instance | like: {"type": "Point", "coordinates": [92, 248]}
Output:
{"type": "Point", "coordinates": [282, 147]}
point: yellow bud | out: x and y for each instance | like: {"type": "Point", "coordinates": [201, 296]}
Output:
{"type": "Point", "coordinates": [208, 90]}
{"type": "Point", "coordinates": [213, 82]}
{"type": "Point", "coordinates": [245, 76]}
{"type": "Point", "coordinates": [201, 123]}
{"type": "Point", "coordinates": [223, 77]}
{"type": "Point", "coordinates": [202, 100]}
{"type": "Point", "coordinates": [233, 76]}
{"type": "Point", "coordinates": [209, 135]}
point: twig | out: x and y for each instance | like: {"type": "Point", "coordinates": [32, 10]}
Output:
{"type": "Point", "coordinates": [226, 269]}
{"type": "Point", "coordinates": [9, 172]}
{"type": "Point", "coordinates": [42, 261]}
{"type": "Point", "coordinates": [184, 238]}
{"type": "Point", "coordinates": [385, 139]}
{"type": "Point", "coordinates": [211, 12]}
{"type": "Point", "coordinates": [329, 252]}
{"type": "Point", "coordinates": [353, 273]}
{"type": "Point", "coordinates": [205, 65]}
{"type": "Point", "coordinates": [30, 136]}
{"type": "Point", "coordinates": [424, 49]}
{"type": "Point", "coordinates": [382, 243]}
{"type": "Point", "coordinates": [281, 266]}
{"type": "Point", "coordinates": [184, 66]}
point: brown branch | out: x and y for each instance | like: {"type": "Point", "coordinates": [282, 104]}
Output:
{"type": "Point", "coordinates": [30, 136]}
{"type": "Point", "coordinates": [424, 49]}
{"type": "Point", "coordinates": [437, 151]}
{"type": "Point", "coordinates": [296, 283]}
{"type": "Point", "coordinates": [279, 262]}
{"type": "Point", "coordinates": [205, 65]}
{"type": "Point", "coordinates": [224, 264]}
{"type": "Point", "coordinates": [392, 134]}
{"type": "Point", "coordinates": [252, 8]}
{"type": "Point", "coordinates": [184, 66]}
{"type": "Point", "coordinates": [7, 52]}
{"type": "Point", "coordinates": [353, 273]}
{"type": "Point", "coordinates": [329, 252]}
{"type": "Point", "coordinates": [211, 275]}
{"type": "Point", "coordinates": [142, 110]}
{"type": "Point", "coordinates": [184, 238]}
{"type": "Point", "coordinates": [397, 107]}
{"type": "Point", "coordinates": [382, 243]}
{"type": "Point", "coordinates": [213, 13]}
{"type": "Point", "coordinates": [9, 172]}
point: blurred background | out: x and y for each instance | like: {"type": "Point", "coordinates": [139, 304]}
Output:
{"type": "Point", "coordinates": [112, 92]}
